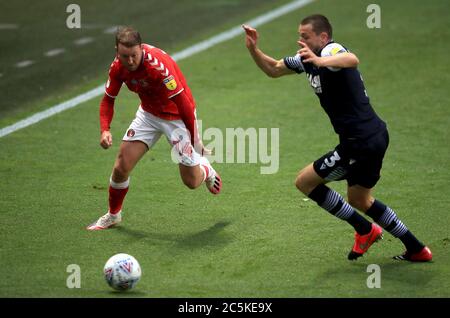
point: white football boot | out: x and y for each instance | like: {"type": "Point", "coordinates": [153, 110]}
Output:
{"type": "Point", "coordinates": [106, 221]}
{"type": "Point", "coordinates": [213, 182]}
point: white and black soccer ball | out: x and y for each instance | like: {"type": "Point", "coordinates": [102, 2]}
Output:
{"type": "Point", "coordinates": [122, 272]}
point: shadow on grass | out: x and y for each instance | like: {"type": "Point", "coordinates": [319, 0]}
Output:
{"type": "Point", "coordinates": [403, 273]}
{"type": "Point", "coordinates": [210, 237]}
{"type": "Point", "coordinates": [129, 293]}
{"type": "Point", "coordinates": [398, 278]}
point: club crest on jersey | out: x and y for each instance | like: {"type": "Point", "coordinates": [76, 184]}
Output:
{"type": "Point", "coordinates": [170, 83]}
{"type": "Point", "coordinates": [130, 132]}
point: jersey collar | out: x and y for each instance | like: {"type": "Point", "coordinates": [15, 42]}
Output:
{"type": "Point", "coordinates": [329, 42]}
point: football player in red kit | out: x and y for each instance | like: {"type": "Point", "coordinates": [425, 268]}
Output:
{"type": "Point", "coordinates": [167, 108]}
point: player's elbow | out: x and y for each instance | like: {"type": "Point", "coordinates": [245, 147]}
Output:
{"type": "Point", "coordinates": [273, 74]}
{"type": "Point", "coordinates": [354, 61]}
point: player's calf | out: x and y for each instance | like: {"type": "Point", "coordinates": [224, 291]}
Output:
{"type": "Point", "coordinates": [388, 219]}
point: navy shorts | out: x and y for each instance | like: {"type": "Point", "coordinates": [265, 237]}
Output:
{"type": "Point", "coordinates": [357, 161]}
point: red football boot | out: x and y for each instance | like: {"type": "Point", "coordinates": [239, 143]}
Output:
{"type": "Point", "coordinates": [363, 242]}
{"type": "Point", "coordinates": [423, 255]}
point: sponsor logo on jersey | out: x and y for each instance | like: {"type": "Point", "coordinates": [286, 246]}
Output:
{"type": "Point", "coordinates": [130, 133]}
{"type": "Point", "coordinates": [170, 83]}
{"type": "Point", "coordinates": [335, 50]}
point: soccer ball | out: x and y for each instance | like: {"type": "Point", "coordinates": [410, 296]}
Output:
{"type": "Point", "coordinates": [122, 272]}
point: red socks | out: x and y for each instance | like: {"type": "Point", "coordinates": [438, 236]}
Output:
{"type": "Point", "coordinates": [117, 192]}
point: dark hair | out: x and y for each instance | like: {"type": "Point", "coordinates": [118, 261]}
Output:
{"type": "Point", "coordinates": [127, 36]}
{"type": "Point", "coordinates": [319, 24]}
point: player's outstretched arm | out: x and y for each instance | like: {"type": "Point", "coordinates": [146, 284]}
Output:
{"type": "Point", "coordinates": [341, 60]}
{"type": "Point", "coordinates": [269, 65]}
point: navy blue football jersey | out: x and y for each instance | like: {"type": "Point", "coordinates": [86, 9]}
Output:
{"type": "Point", "coordinates": [342, 95]}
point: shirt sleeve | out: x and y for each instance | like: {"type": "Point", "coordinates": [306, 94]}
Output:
{"type": "Point", "coordinates": [333, 49]}
{"type": "Point", "coordinates": [186, 110]}
{"type": "Point", "coordinates": [294, 63]}
{"type": "Point", "coordinates": [106, 112]}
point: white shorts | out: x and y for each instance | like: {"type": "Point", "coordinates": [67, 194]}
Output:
{"type": "Point", "coordinates": [149, 128]}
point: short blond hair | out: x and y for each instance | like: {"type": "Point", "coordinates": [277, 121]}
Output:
{"type": "Point", "coordinates": [127, 36]}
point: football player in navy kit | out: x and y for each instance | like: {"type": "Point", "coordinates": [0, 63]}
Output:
{"type": "Point", "coordinates": [363, 137]}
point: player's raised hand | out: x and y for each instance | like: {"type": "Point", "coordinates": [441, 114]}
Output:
{"type": "Point", "coordinates": [106, 139]}
{"type": "Point", "coordinates": [307, 54]}
{"type": "Point", "coordinates": [251, 36]}
{"type": "Point", "coordinates": [206, 152]}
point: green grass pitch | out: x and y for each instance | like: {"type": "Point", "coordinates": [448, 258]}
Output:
{"type": "Point", "coordinates": [259, 238]}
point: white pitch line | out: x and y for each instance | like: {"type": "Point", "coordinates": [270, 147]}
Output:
{"type": "Point", "coordinates": [233, 32]}
{"type": "Point", "coordinates": [8, 26]}
{"type": "Point", "coordinates": [52, 111]}
{"type": "Point", "coordinates": [196, 48]}
{"type": "Point", "coordinates": [54, 52]}
{"type": "Point", "coordinates": [93, 26]}
{"type": "Point", "coordinates": [110, 30]}
{"type": "Point", "coordinates": [83, 41]}
{"type": "Point", "coordinates": [24, 63]}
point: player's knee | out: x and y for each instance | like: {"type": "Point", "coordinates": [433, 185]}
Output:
{"type": "Point", "coordinates": [192, 176]}
{"type": "Point", "coordinates": [361, 204]}
{"type": "Point", "coordinates": [191, 183]}
{"type": "Point", "coordinates": [120, 172]}
{"type": "Point", "coordinates": [301, 184]}
{"type": "Point", "coordinates": [191, 180]}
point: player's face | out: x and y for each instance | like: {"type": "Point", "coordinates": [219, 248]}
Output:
{"type": "Point", "coordinates": [130, 57]}
{"type": "Point", "coordinates": [315, 41]}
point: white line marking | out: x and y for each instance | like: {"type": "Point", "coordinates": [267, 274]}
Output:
{"type": "Point", "coordinates": [196, 48]}
{"type": "Point", "coordinates": [93, 26]}
{"type": "Point", "coordinates": [8, 26]}
{"type": "Point", "coordinates": [54, 52]}
{"type": "Point", "coordinates": [24, 63]}
{"type": "Point", "coordinates": [233, 32]}
{"type": "Point", "coordinates": [83, 41]}
{"type": "Point", "coordinates": [52, 111]}
{"type": "Point", "coordinates": [111, 30]}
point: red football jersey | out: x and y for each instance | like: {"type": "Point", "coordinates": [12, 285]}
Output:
{"type": "Point", "coordinates": [156, 80]}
